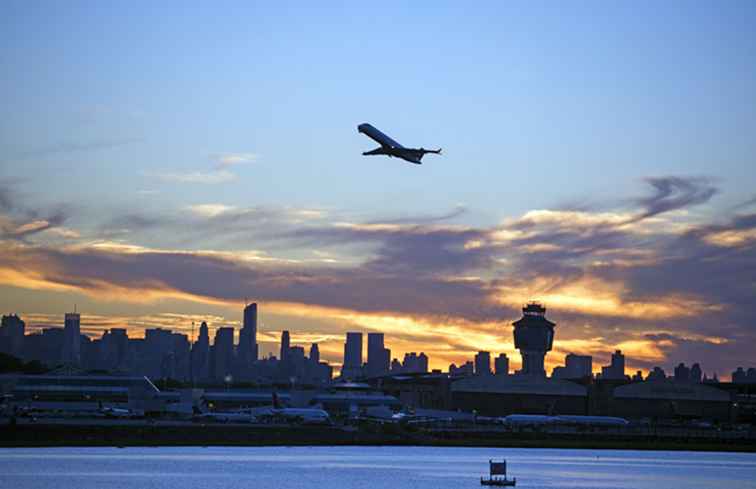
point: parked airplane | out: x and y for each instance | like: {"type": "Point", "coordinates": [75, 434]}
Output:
{"type": "Point", "coordinates": [391, 148]}
{"type": "Point", "coordinates": [114, 412]}
{"type": "Point", "coordinates": [266, 414]}
{"type": "Point", "coordinates": [240, 416]}
{"type": "Point", "coordinates": [291, 415]}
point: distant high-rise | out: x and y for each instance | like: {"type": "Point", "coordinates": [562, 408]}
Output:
{"type": "Point", "coordinates": [575, 367]}
{"type": "Point", "coordinates": [12, 331]}
{"type": "Point", "coordinates": [464, 370]}
{"type": "Point", "coordinates": [501, 364]}
{"type": "Point", "coordinates": [483, 363]}
{"type": "Point", "coordinates": [422, 363]}
{"type": "Point", "coordinates": [314, 353]}
{"type": "Point", "coordinates": [616, 369]}
{"type": "Point", "coordinates": [114, 348]}
{"type": "Point", "coordinates": [414, 363]}
{"type": "Point", "coordinates": [223, 353]}
{"type": "Point", "coordinates": [534, 336]}
{"type": "Point", "coordinates": [657, 373]}
{"type": "Point", "coordinates": [682, 373]}
{"type": "Point", "coordinates": [378, 361]}
{"type": "Point", "coordinates": [740, 376]}
{"type": "Point", "coordinates": [247, 350]}
{"type": "Point", "coordinates": [71, 352]}
{"type": "Point", "coordinates": [201, 354]}
{"type": "Point", "coordinates": [695, 373]}
{"type": "Point", "coordinates": [352, 355]}
{"type": "Point", "coordinates": [285, 346]}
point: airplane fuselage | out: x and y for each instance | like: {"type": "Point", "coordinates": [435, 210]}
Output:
{"type": "Point", "coordinates": [391, 148]}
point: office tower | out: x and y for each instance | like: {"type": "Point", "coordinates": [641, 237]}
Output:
{"type": "Point", "coordinates": [579, 366]}
{"type": "Point", "coordinates": [352, 355]}
{"type": "Point", "coordinates": [534, 336]}
{"type": "Point", "coordinates": [682, 373]}
{"type": "Point", "coordinates": [422, 363]}
{"type": "Point", "coordinates": [285, 346]}
{"type": "Point", "coordinates": [71, 351]}
{"type": "Point", "coordinates": [201, 355]}
{"type": "Point", "coordinates": [501, 364]}
{"type": "Point", "coordinates": [12, 331]}
{"type": "Point", "coordinates": [223, 353]}
{"type": "Point", "coordinates": [483, 363]}
{"type": "Point", "coordinates": [739, 376]}
{"type": "Point", "coordinates": [158, 353]}
{"type": "Point", "coordinates": [180, 355]}
{"type": "Point", "coordinates": [695, 373]}
{"type": "Point", "coordinates": [465, 370]}
{"type": "Point", "coordinates": [657, 373]}
{"type": "Point", "coordinates": [114, 350]}
{"type": "Point", "coordinates": [396, 366]}
{"type": "Point", "coordinates": [314, 353]}
{"type": "Point", "coordinates": [378, 356]}
{"type": "Point", "coordinates": [247, 350]}
{"type": "Point", "coordinates": [616, 369]}
{"type": "Point", "coordinates": [414, 363]}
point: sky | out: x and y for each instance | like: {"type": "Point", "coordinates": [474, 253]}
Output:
{"type": "Point", "coordinates": [163, 164]}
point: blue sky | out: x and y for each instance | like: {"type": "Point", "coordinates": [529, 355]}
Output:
{"type": "Point", "coordinates": [133, 108]}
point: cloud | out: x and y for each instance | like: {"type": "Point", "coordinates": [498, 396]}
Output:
{"type": "Point", "coordinates": [672, 193]}
{"type": "Point", "coordinates": [198, 177]}
{"type": "Point", "coordinates": [220, 173]}
{"type": "Point", "coordinates": [225, 160]}
{"type": "Point", "coordinates": [210, 210]}
{"type": "Point", "coordinates": [608, 278]}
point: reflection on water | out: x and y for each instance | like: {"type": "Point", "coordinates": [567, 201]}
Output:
{"type": "Point", "coordinates": [370, 467]}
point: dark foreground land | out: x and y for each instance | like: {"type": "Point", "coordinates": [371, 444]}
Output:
{"type": "Point", "coordinates": [46, 433]}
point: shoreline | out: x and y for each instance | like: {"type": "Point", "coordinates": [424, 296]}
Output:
{"type": "Point", "coordinates": [39, 435]}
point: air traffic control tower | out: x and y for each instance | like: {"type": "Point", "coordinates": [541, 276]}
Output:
{"type": "Point", "coordinates": [534, 336]}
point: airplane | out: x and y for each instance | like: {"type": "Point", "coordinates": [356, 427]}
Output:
{"type": "Point", "coordinates": [267, 414]}
{"type": "Point", "coordinates": [114, 412]}
{"type": "Point", "coordinates": [391, 148]}
{"type": "Point", "coordinates": [291, 415]}
{"type": "Point", "coordinates": [240, 416]}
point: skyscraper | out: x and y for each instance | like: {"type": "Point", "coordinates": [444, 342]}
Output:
{"type": "Point", "coordinates": [682, 373]}
{"type": "Point", "coordinates": [616, 369]}
{"type": "Point", "coordinates": [695, 373]}
{"type": "Point", "coordinates": [501, 364]}
{"type": "Point", "coordinates": [285, 346]}
{"type": "Point", "coordinates": [12, 331]}
{"type": "Point", "coordinates": [483, 363]}
{"type": "Point", "coordinates": [534, 336]}
{"type": "Point", "coordinates": [352, 355]}
{"type": "Point", "coordinates": [314, 353]}
{"type": "Point", "coordinates": [223, 352]}
{"type": "Point", "coordinates": [379, 358]}
{"type": "Point", "coordinates": [201, 354]}
{"type": "Point", "coordinates": [247, 350]}
{"type": "Point", "coordinates": [71, 351]}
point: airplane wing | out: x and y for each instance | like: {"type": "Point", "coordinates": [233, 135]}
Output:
{"type": "Point", "coordinates": [378, 136]}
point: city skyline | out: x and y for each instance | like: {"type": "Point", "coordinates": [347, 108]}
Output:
{"type": "Point", "coordinates": [241, 360]}
{"type": "Point", "coordinates": [598, 159]}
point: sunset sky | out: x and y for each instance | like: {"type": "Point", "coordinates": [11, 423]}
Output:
{"type": "Point", "coordinates": [160, 164]}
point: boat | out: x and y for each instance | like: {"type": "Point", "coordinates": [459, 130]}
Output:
{"type": "Point", "coordinates": [497, 469]}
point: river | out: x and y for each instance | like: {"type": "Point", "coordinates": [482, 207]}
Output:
{"type": "Point", "coordinates": [366, 467]}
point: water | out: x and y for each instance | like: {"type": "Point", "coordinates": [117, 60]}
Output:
{"type": "Point", "coordinates": [365, 467]}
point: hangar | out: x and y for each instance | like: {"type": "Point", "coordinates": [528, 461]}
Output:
{"type": "Point", "coordinates": [499, 395]}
